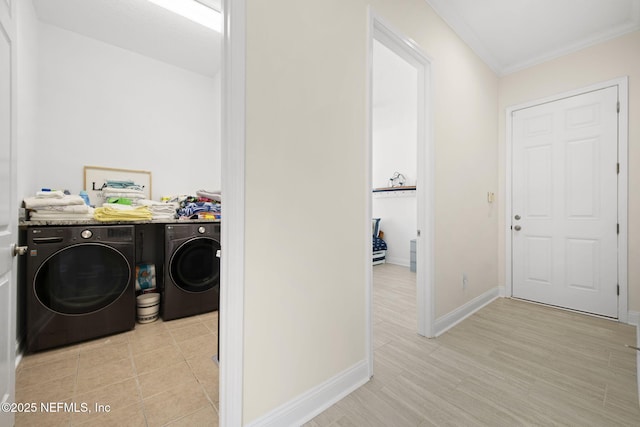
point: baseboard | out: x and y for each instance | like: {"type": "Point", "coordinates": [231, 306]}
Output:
{"type": "Point", "coordinates": [638, 360]}
{"type": "Point", "coordinates": [403, 262]}
{"type": "Point", "coordinates": [19, 353]}
{"type": "Point", "coordinates": [451, 319]}
{"type": "Point", "coordinates": [306, 406]}
{"type": "Point", "coordinates": [633, 318]}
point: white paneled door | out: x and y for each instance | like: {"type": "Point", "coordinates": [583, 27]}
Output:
{"type": "Point", "coordinates": [564, 202]}
{"type": "Point", "coordinates": [8, 211]}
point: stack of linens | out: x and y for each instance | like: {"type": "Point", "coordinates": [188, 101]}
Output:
{"type": "Point", "coordinates": [159, 210]}
{"type": "Point", "coordinates": [55, 205]}
{"type": "Point", "coordinates": [117, 212]}
{"type": "Point", "coordinates": [122, 195]}
{"type": "Point", "coordinates": [211, 195]}
{"type": "Point", "coordinates": [203, 206]}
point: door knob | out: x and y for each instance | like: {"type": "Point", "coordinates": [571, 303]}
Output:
{"type": "Point", "coordinates": [517, 228]}
{"type": "Point", "coordinates": [517, 217]}
{"type": "Point", "coordinates": [19, 250]}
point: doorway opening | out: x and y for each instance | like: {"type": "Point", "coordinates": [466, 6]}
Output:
{"type": "Point", "coordinates": [400, 156]}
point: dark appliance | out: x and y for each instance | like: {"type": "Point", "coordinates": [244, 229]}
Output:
{"type": "Point", "coordinates": [191, 276]}
{"type": "Point", "coordinates": [79, 283]}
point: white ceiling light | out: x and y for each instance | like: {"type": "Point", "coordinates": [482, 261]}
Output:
{"type": "Point", "coordinates": [194, 11]}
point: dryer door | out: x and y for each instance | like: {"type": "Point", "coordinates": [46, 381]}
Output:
{"type": "Point", "coordinates": [81, 279]}
{"type": "Point", "coordinates": [195, 265]}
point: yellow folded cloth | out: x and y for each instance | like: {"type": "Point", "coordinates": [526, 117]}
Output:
{"type": "Point", "coordinates": [108, 213]}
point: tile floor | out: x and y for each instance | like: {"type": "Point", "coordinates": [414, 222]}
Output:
{"type": "Point", "coordinates": [159, 374]}
{"type": "Point", "coordinates": [512, 363]}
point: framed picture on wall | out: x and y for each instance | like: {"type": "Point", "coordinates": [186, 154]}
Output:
{"type": "Point", "coordinates": [96, 178]}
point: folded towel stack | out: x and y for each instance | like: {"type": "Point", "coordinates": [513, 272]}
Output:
{"type": "Point", "coordinates": [211, 195]}
{"type": "Point", "coordinates": [129, 195]}
{"type": "Point", "coordinates": [115, 212]}
{"type": "Point", "coordinates": [55, 205]}
{"type": "Point", "coordinates": [124, 184]}
{"type": "Point", "coordinates": [159, 210]}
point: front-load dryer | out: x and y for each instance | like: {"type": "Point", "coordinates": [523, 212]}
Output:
{"type": "Point", "coordinates": [79, 283]}
{"type": "Point", "coordinates": [191, 276]}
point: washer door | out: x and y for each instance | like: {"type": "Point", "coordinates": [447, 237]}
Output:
{"type": "Point", "coordinates": [195, 266]}
{"type": "Point", "coordinates": [82, 279]}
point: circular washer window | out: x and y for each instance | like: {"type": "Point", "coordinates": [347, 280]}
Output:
{"type": "Point", "coordinates": [195, 266]}
{"type": "Point", "coordinates": [82, 279]}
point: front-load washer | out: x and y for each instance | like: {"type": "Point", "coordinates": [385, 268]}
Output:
{"type": "Point", "coordinates": [79, 283]}
{"type": "Point", "coordinates": [191, 276]}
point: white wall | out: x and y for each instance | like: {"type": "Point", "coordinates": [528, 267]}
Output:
{"type": "Point", "coordinates": [395, 110]}
{"type": "Point", "coordinates": [305, 195]}
{"type": "Point", "coordinates": [394, 139]}
{"type": "Point", "coordinates": [398, 213]}
{"type": "Point", "coordinates": [27, 39]}
{"type": "Point", "coordinates": [306, 240]}
{"type": "Point", "coordinates": [464, 102]}
{"type": "Point", "coordinates": [609, 60]}
{"type": "Point", "coordinates": [101, 105]}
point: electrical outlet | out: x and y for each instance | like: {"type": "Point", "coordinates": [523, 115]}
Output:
{"type": "Point", "coordinates": [465, 281]}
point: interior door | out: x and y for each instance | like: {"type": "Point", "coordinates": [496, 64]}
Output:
{"type": "Point", "coordinates": [8, 211]}
{"type": "Point", "coordinates": [564, 218]}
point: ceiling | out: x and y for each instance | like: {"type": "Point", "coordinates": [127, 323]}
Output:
{"type": "Point", "coordinates": [510, 35]}
{"type": "Point", "coordinates": [139, 26]}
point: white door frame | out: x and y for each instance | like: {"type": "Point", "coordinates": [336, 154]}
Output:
{"type": "Point", "coordinates": [623, 192]}
{"type": "Point", "coordinates": [410, 51]}
{"type": "Point", "coordinates": [9, 229]}
{"type": "Point", "coordinates": [231, 313]}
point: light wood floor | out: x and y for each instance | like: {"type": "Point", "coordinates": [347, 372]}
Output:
{"type": "Point", "coordinates": [511, 364]}
{"type": "Point", "coordinates": [159, 374]}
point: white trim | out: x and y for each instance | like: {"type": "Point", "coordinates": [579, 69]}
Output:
{"type": "Point", "coordinates": [633, 318]}
{"type": "Point", "coordinates": [448, 12]}
{"type": "Point", "coordinates": [623, 191]}
{"type": "Point", "coordinates": [508, 274]}
{"type": "Point", "coordinates": [368, 166]}
{"type": "Point", "coordinates": [569, 48]}
{"type": "Point", "coordinates": [448, 321]}
{"type": "Point", "coordinates": [638, 359]}
{"type": "Point", "coordinates": [623, 197]}
{"type": "Point", "coordinates": [311, 403]}
{"type": "Point", "coordinates": [19, 353]}
{"type": "Point", "coordinates": [402, 262]}
{"type": "Point", "coordinates": [231, 315]}
{"type": "Point", "coordinates": [8, 32]}
{"type": "Point", "coordinates": [425, 264]}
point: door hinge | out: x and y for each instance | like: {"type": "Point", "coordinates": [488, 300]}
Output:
{"type": "Point", "coordinates": [618, 289]}
{"type": "Point", "coordinates": [618, 228]}
{"type": "Point", "coordinates": [618, 106]}
{"type": "Point", "coordinates": [618, 168]}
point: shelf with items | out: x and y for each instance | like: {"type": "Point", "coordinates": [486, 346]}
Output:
{"type": "Point", "coordinates": [394, 192]}
{"type": "Point", "coordinates": [399, 188]}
